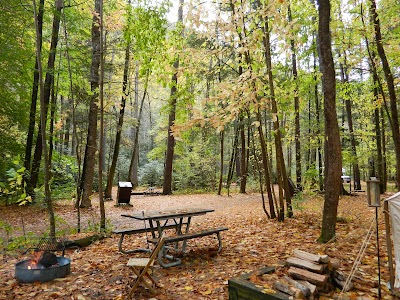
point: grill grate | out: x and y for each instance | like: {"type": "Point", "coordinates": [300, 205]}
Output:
{"type": "Point", "coordinates": [51, 244]}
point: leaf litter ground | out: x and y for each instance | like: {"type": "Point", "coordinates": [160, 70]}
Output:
{"type": "Point", "coordinates": [99, 271]}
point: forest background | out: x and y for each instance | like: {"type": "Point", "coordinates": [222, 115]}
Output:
{"type": "Point", "coordinates": [254, 93]}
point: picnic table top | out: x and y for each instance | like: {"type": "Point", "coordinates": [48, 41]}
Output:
{"type": "Point", "coordinates": [169, 214]}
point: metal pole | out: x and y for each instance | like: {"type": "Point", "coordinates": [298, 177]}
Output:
{"type": "Point", "coordinates": [377, 246]}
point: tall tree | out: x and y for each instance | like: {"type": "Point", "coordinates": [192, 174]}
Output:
{"type": "Point", "coordinates": [333, 154]}
{"type": "Point", "coordinates": [48, 85]}
{"type": "Point", "coordinates": [390, 86]}
{"type": "Point", "coordinates": [125, 93]}
{"type": "Point", "coordinates": [296, 107]}
{"type": "Point", "coordinates": [89, 162]}
{"type": "Point", "coordinates": [43, 113]}
{"type": "Point", "coordinates": [167, 185]}
{"type": "Point", "coordinates": [35, 87]}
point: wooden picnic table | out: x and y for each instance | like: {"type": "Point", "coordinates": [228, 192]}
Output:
{"type": "Point", "coordinates": [180, 220]}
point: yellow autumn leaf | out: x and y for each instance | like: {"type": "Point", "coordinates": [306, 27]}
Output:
{"type": "Point", "coordinates": [189, 288]}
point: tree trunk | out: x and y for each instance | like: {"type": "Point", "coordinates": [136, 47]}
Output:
{"type": "Point", "coordinates": [264, 155]}
{"type": "Point", "coordinates": [333, 155]}
{"type": "Point", "coordinates": [378, 137]}
{"type": "Point", "coordinates": [91, 145]}
{"type": "Point", "coordinates": [43, 113]}
{"type": "Point", "coordinates": [46, 94]}
{"type": "Point", "coordinates": [243, 158]}
{"type": "Point", "coordinates": [280, 161]}
{"type": "Point", "coordinates": [169, 158]}
{"type": "Point", "coordinates": [125, 93]}
{"type": "Point", "coordinates": [134, 157]}
{"type": "Point", "coordinates": [345, 81]}
{"type": "Point", "coordinates": [296, 109]}
{"type": "Point", "coordinates": [390, 87]}
{"type": "Point", "coordinates": [137, 113]}
{"type": "Point", "coordinates": [101, 147]}
{"type": "Point", "coordinates": [32, 111]}
{"type": "Point", "coordinates": [221, 161]}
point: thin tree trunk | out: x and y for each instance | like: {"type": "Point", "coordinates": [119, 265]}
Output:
{"type": "Point", "coordinates": [48, 200]}
{"type": "Point", "coordinates": [390, 87]}
{"type": "Point", "coordinates": [101, 147]}
{"type": "Point", "coordinates": [91, 144]}
{"type": "Point", "coordinates": [125, 93]}
{"type": "Point", "coordinates": [137, 113]}
{"type": "Point", "coordinates": [135, 153]}
{"type": "Point", "coordinates": [296, 109]}
{"type": "Point", "coordinates": [345, 80]}
{"type": "Point", "coordinates": [169, 158]}
{"type": "Point", "coordinates": [58, 4]}
{"type": "Point", "coordinates": [333, 155]}
{"type": "Point", "coordinates": [264, 155]}
{"type": "Point", "coordinates": [221, 161]}
{"type": "Point", "coordinates": [378, 136]}
{"type": "Point", "coordinates": [243, 158]}
{"type": "Point", "coordinates": [233, 157]}
{"type": "Point", "coordinates": [32, 111]}
{"type": "Point", "coordinates": [280, 161]}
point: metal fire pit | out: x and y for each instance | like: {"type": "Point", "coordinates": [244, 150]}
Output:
{"type": "Point", "coordinates": [60, 270]}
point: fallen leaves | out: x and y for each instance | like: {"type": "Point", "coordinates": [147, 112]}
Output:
{"type": "Point", "coordinates": [252, 241]}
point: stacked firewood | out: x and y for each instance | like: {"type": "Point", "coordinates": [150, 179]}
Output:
{"type": "Point", "coordinates": [309, 274]}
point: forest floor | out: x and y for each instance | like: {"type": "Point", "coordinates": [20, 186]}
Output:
{"type": "Point", "coordinates": [253, 241]}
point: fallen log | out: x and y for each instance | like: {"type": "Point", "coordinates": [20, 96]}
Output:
{"type": "Point", "coordinates": [314, 278]}
{"type": "Point", "coordinates": [305, 264]}
{"type": "Point", "coordinates": [83, 242]}
{"type": "Point", "coordinates": [311, 257]}
{"type": "Point", "coordinates": [288, 289]}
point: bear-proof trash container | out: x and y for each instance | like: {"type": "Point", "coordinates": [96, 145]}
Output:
{"type": "Point", "coordinates": [124, 192]}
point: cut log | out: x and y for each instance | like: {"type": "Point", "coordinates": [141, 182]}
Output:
{"type": "Point", "coordinates": [310, 286]}
{"type": "Point", "coordinates": [305, 290]}
{"type": "Point", "coordinates": [305, 264]}
{"type": "Point", "coordinates": [334, 264]}
{"type": "Point", "coordinates": [339, 279]}
{"type": "Point", "coordinates": [311, 257]}
{"type": "Point", "coordinates": [314, 278]}
{"type": "Point", "coordinates": [288, 289]}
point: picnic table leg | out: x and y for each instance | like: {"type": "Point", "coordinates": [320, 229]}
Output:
{"type": "Point", "coordinates": [186, 231]}
{"type": "Point", "coordinates": [153, 231]}
{"type": "Point", "coordinates": [162, 254]}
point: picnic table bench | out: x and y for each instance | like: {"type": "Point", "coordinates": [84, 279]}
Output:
{"type": "Point", "coordinates": [188, 236]}
{"type": "Point", "coordinates": [129, 231]}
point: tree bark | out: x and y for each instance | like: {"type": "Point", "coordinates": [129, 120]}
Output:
{"type": "Point", "coordinates": [280, 161]}
{"type": "Point", "coordinates": [345, 80]}
{"type": "Point", "coordinates": [34, 95]}
{"type": "Point", "coordinates": [391, 88]}
{"type": "Point", "coordinates": [169, 158]}
{"type": "Point", "coordinates": [296, 109]}
{"type": "Point", "coordinates": [91, 145]}
{"type": "Point", "coordinates": [243, 158]}
{"type": "Point", "coordinates": [264, 155]}
{"type": "Point", "coordinates": [48, 201]}
{"type": "Point", "coordinates": [58, 4]}
{"type": "Point", "coordinates": [333, 155]}
{"type": "Point", "coordinates": [125, 93]}
{"type": "Point", "coordinates": [135, 154]}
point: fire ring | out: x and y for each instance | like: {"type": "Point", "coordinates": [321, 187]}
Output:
{"type": "Point", "coordinates": [26, 275]}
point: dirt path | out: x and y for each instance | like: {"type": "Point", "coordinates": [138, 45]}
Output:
{"type": "Point", "coordinates": [252, 241]}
